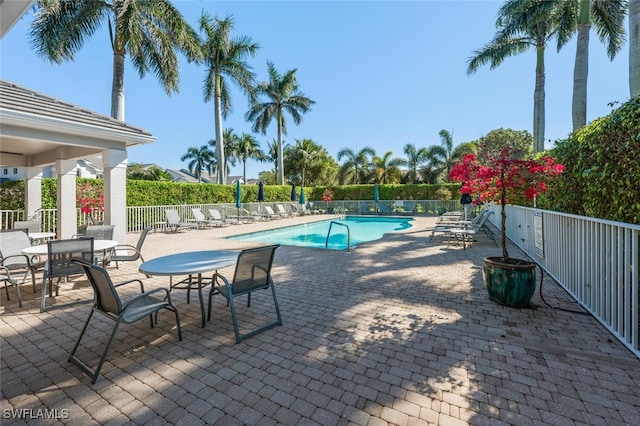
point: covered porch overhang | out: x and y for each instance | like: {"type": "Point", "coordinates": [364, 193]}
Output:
{"type": "Point", "coordinates": [38, 131]}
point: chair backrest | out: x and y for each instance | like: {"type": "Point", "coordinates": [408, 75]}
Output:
{"type": "Point", "coordinates": [173, 217]}
{"type": "Point", "coordinates": [215, 214]}
{"type": "Point", "coordinates": [143, 235]}
{"type": "Point", "coordinates": [60, 255]}
{"type": "Point", "coordinates": [12, 242]}
{"type": "Point", "coordinates": [269, 210]}
{"type": "Point", "coordinates": [483, 220]}
{"type": "Point", "coordinates": [280, 208]}
{"type": "Point", "coordinates": [29, 225]}
{"type": "Point", "coordinates": [106, 297]}
{"type": "Point", "coordinates": [197, 214]}
{"type": "Point", "coordinates": [253, 269]}
{"type": "Point", "coordinates": [99, 232]}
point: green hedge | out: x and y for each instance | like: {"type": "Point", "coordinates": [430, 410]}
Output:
{"type": "Point", "coordinates": [603, 171]}
{"type": "Point", "coordinates": [151, 193]}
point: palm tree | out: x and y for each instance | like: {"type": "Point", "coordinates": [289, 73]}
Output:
{"type": "Point", "coordinates": [634, 47]}
{"type": "Point", "coordinates": [518, 30]}
{"type": "Point", "coordinates": [248, 147]}
{"type": "Point", "coordinates": [283, 96]}
{"type": "Point", "coordinates": [201, 159]}
{"type": "Point", "coordinates": [149, 31]}
{"type": "Point", "coordinates": [356, 162]}
{"type": "Point", "coordinates": [415, 158]}
{"type": "Point", "coordinates": [303, 152]}
{"type": "Point", "coordinates": [386, 169]}
{"type": "Point", "coordinates": [225, 60]}
{"type": "Point", "coordinates": [442, 157]}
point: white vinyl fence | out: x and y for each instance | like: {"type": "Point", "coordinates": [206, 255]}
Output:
{"type": "Point", "coordinates": [596, 261]}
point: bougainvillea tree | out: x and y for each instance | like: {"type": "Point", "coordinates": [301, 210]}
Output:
{"type": "Point", "coordinates": [503, 175]}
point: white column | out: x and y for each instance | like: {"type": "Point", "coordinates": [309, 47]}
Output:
{"type": "Point", "coordinates": [66, 196]}
{"type": "Point", "coordinates": [114, 163]}
{"type": "Point", "coordinates": [32, 190]}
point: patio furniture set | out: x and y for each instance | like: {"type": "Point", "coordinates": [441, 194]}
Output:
{"type": "Point", "coordinates": [89, 256]}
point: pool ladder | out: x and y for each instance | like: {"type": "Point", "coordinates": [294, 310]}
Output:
{"type": "Point", "coordinates": [326, 243]}
{"type": "Point", "coordinates": [340, 212]}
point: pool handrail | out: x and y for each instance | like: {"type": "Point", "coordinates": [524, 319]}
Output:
{"type": "Point", "coordinates": [326, 243]}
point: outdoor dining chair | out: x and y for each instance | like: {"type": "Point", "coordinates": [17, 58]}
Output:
{"type": "Point", "coordinates": [101, 232]}
{"type": "Point", "coordinates": [128, 252]}
{"type": "Point", "coordinates": [60, 264]}
{"type": "Point", "coordinates": [12, 242]}
{"type": "Point", "coordinates": [107, 301]}
{"type": "Point", "coordinates": [5, 276]}
{"type": "Point", "coordinates": [252, 273]}
{"type": "Point", "coordinates": [29, 225]}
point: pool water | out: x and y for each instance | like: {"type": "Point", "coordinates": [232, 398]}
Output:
{"type": "Point", "coordinates": [361, 229]}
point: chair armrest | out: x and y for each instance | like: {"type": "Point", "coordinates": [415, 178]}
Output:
{"type": "Point", "coordinates": [27, 258]}
{"type": "Point", "coordinates": [131, 281]}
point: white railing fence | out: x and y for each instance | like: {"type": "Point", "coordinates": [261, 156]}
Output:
{"type": "Point", "coordinates": [596, 261]}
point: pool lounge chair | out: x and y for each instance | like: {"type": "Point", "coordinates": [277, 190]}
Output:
{"type": "Point", "coordinates": [281, 211]}
{"type": "Point", "coordinates": [271, 213]}
{"type": "Point", "coordinates": [176, 223]}
{"type": "Point", "coordinates": [202, 221]}
{"type": "Point", "coordinates": [215, 215]}
{"type": "Point", "coordinates": [466, 231]}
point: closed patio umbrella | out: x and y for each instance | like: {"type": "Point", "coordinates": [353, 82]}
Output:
{"type": "Point", "coordinates": [294, 196]}
{"type": "Point", "coordinates": [238, 198]}
{"type": "Point", "coordinates": [302, 201]}
{"type": "Point", "coordinates": [260, 194]}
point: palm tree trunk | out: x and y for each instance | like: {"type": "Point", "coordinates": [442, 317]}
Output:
{"type": "Point", "coordinates": [581, 67]}
{"type": "Point", "coordinates": [117, 86]}
{"type": "Point", "coordinates": [222, 172]}
{"type": "Point", "coordinates": [634, 47]}
{"type": "Point", "coordinates": [538, 103]}
{"type": "Point", "coordinates": [280, 159]}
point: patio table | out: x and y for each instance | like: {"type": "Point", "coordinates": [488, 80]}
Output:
{"type": "Point", "coordinates": [41, 249]}
{"type": "Point", "coordinates": [190, 263]}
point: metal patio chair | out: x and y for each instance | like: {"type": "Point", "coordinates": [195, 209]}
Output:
{"type": "Point", "coordinates": [29, 225]}
{"type": "Point", "coordinates": [5, 276]}
{"type": "Point", "coordinates": [128, 252]}
{"type": "Point", "coordinates": [252, 273]}
{"type": "Point", "coordinates": [12, 242]}
{"type": "Point", "coordinates": [107, 301]}
{"type": "Point", "coordinates": [60, 264]}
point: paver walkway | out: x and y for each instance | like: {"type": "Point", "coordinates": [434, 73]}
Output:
{"type": "Point", "coordinates": [399, 331]}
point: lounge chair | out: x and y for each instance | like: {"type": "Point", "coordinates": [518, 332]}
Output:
{"type": "Point", "coordinates": [383, 209]}
{"type": "Point", "coordinates": [107, 302]}
{"type": "Point", "coordinates": [174, 222]}
{"type": "Point", "coordinates": [465, 231]}
{"type": "Point", "coordinates": [281, 211]}
{"type": "Point", "coordinates": [215, 215]}
{"type": "Point", "coordinates": [293, 210]}
{"type": "Point", "coordinates": [202, 221]}
{"type": "Point", "coordinates": [271, 213]}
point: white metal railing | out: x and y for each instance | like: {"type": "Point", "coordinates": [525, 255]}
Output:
{"type": "Point", "coordinates": [596, 261]}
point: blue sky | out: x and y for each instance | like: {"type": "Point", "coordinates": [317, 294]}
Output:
{"type": "Point", "coordinates": [382, 73]}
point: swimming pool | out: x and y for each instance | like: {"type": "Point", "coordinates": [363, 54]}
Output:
{"type": "Point", "coordinates": [361, 229]}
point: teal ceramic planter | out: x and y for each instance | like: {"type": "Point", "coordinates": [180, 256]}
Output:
{"type": "Point", "coordinates": [511, 283]}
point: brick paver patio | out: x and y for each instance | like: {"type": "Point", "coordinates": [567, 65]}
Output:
{"type": "Point", "coordinates": [399, 331]}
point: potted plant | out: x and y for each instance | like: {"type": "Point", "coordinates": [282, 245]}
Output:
{"type": "Point", "coordinates": [505, 174]}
